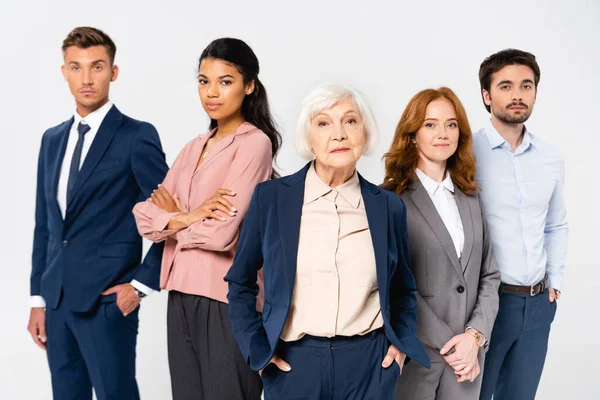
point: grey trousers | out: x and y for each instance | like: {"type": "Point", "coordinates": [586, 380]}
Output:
{"type": "Point", "coordinates": [437, 383]}
{"type": "Point", "coordinates": [204, 359]}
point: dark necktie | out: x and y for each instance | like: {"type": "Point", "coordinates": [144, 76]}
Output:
{"type": "Point", "coordinates": [82, 129]}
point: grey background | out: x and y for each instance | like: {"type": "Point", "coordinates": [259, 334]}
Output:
{"type": "Point", "coordinates": [388, 50]}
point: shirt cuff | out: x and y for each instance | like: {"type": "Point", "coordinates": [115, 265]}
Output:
{"type": "Point", "coordinates": [161, 221]}
{"type": "Point", "coordinates": [37, 301]}
{"type": "Point", "coordinates": [555, 280]}
{"type": "Point", "coordinates": [184, 237]}
{"type": "Point", "coordinates": [142, 288]}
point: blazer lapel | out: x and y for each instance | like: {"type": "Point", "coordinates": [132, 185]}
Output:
{"type": "Point", "coordinates": [290, 198]}
{"type": "Point", "coordinates": [107, 130]}
{"type": "Point", "coordinates": [423, 202]}
{"type": "Point", "coordinates": [63, 138]}
{"type": "Point", "coordinates": [462, 202]}
{"type": "Point", "coordinates": [376, 207]}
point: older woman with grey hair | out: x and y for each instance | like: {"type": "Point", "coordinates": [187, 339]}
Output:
{"type": "Point", "coordinates": [339, 318]}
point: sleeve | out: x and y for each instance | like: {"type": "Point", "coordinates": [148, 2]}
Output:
{"type": "Point", "coordinates": [142, 288]}
{"type": "Point", "coordinates": [251, 165]}
{"type": "Point", "coordinates": [403, 295]}
{"type": "Point", "coordinates": [40, 235]}
{"type": "Point", "coordinates": [555, 233]}
{"type": "Point", "coordinates": [434, 332]}
{"type": "Point", "coordinates": [403, 287]}
{"type": "Point", "coordinates": [486, 307]}
{"type": "Point", "coordinates": [149, 169]}
{"type": "Point", "coordinates": [151, 220]}
{"type": "Point", "coordinates": [242, 277]}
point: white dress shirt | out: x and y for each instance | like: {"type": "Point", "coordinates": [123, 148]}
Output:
{"type": "Point", "coordinates": [93, 120]}
{"type": "Point", "coordinates": [442, 196]}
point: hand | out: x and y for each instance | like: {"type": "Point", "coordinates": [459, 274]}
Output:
{"type": "Point", "coordinates": [205, 211]}
{"type": "Point", "coordinates": [394, 354]}
{"type": "Point", "coordinates": [470, 376]}
{"type": "Point", "coordinates": [553, 294]}
{"type": "Point", "coordinates": [37, 326]}
{"type": "Point", "coordinates": [127, 299]}
{"type": "Point", "coordinates": [163, 200]}
{"type": "Point", "coordinates": [212, 204]}
{"type": "Point", "coordinates": [464, 358]}
{"type": "Point", "coordinates": [282, 365]}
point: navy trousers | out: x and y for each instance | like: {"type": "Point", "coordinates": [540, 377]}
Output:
{"type": "Point", "coordinates": [340, 368]}
{"type": "Point", "coordinates": [92, 349]}
{"type": "Point", "coordinates": [515, 359]}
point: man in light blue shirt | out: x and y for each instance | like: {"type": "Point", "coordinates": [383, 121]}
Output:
{"type": "Point", "coordinates": [521, 180]}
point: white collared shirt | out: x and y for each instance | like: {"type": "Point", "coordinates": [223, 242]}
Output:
{"type": "Point", "coordinates": [522, 192]}
{"type": "Point", "coordinates": [442, 196]}
{"type": "Point", "coordinates": [94, 120]}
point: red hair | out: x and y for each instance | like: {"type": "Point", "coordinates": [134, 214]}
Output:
{"type": "Point", "coordinates": [403, 156]}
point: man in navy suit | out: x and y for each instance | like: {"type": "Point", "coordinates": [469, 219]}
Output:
{"type": "Point", "coordinates": [88, 277]}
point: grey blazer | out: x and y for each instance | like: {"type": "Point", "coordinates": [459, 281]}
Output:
{"type": "Point", "coordinates": [452, 293]}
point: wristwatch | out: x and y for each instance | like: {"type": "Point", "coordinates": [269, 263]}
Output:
{"type": "Point", "coordinates": [479, 337]}
{"type": "Point", "coordinates": [140, 294]}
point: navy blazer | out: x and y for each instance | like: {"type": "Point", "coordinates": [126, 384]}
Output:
{"type": "Point", "coordinates": [269, 238]}
{"type": "Point", "coordinates": [97, 245]}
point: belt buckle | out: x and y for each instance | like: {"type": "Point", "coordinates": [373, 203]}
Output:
{"type": "Point", "coordinates": [542, 286]}
{"type": "Point", "coordinates": [532, 290]}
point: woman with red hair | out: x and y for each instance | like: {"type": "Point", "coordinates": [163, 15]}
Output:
{"type": "Point", "coordinates": [431, 166]}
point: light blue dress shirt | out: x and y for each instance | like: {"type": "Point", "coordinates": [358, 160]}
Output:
{"type": "Point", "coordinates": [522, 194]}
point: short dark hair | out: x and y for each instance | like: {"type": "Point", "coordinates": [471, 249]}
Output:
{"type": "Point", "coordinates": [86, 36]}
{"type": "Point", "coordinates": [501, 59]}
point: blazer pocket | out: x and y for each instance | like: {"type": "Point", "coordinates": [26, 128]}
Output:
{"type": "Point", "coordinates": [422, 280]}
{"type": "Point", "coordinates": [118, 250]}
{"type": "Point", "coordinates": [266, 311]}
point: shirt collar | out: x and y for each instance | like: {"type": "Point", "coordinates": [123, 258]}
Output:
{"type": "Point", "coordinates": [94, 119]}
{"type": "Point", "coordinates": [245, 127]}
{"type": "Point", "coordinates": [527, 139]}
{"type": "Point", "coordinates": [316, 188]}
{"type": "Point", "coordinates": [432, 186]}
{"type": "Point", "coordinates": [496, 140]}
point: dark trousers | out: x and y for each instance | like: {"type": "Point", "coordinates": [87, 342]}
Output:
{"type": "Point", "coordinates": [92, 349]}
{"type": "Point", "coordinates": [204, 359]}
{"type": "Point", "coordinates": [515, 359]}
{"type": "Point", "coordinates": [333, 369]}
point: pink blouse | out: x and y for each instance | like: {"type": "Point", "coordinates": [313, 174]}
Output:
{"type": "Point", "coordinates": [198, 260]}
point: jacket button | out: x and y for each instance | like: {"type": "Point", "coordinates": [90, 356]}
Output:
{"type": "Point", "coordinates": [65, 243]}
{"type": "Point", "coordinates": [460, 289]}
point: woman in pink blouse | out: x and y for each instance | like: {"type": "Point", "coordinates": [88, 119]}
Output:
{"type": "Point", "coordinates": [200, 223]}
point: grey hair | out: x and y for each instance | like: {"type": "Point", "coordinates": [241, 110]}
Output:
{"type": "Point", "coordinates": [323, 98]}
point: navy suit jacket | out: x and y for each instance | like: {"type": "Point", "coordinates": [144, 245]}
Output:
{"type": "Point", "coordinates": [97, 244]}
{"type": "Point", "coordinates": [269, 237]}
